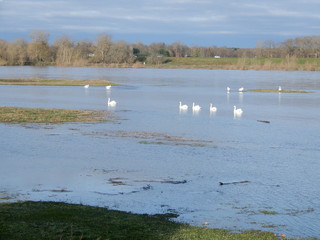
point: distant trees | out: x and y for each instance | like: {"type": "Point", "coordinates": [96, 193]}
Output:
{"type": "Point", "coordinates": [38, 50]}
{"type": "Point", "coordinates": [66, 52]}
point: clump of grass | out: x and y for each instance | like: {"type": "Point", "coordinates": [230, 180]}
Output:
{"type": "Point", "coordinates": [54, 82]}
{"type": "Point", "coordinates": [44, 115]}
{"type": "Point", "coordinates": [50, 220]}
{"type": "Point", "coordinates": [268, 212]}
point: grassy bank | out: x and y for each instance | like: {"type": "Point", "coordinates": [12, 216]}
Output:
{"type": "Point", "coordinates": [54, 82]}
{"type": "Point", "coordinates": [286, 64]}
{"type": "Point", "coordinates": [43, 115]}
{"type": "Point", "coordinates": [277, 91]}
{"type": "Point", "coordinates": [49, 220]}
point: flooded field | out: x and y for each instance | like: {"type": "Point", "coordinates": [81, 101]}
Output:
{"type": "Point", "coordinates": [258, 170]}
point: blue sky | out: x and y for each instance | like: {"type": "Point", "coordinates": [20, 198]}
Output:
{"type": "Point", "coordinates": [231, 23]}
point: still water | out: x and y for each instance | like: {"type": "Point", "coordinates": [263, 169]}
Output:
{"type": "Point", "coordinates": [154, 158]}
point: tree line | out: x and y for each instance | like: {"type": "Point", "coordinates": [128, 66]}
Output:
{"type": "Point", "coordinates": [102, 50]}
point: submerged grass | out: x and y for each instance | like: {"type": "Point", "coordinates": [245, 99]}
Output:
{"type": "Point", "coordinates": [44, 115]}
{"type": "Point", "coordinates": [54, 82]}
{"type": "Point", "coordinates": [52, 220]}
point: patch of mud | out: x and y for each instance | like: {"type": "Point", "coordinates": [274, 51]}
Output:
{"type": "Point", "coordinates": [52, 190]}
{"type": "Point", "coordinates": [157, 138]}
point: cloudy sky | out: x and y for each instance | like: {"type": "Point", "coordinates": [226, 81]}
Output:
{"type": "Point", "coordinates": [231, 23]}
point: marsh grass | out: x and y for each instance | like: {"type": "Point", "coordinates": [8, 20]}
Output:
{"type": "Point", "coordinates": [44, 115]}
{"type": "Point", "coordinates": [51, 220]}
{"type": "Point", "coordinates": [287, 64]}
{"type": "Point", "coordinates": [54, 82]}
{"type": "Point", "coordinates": [277, 91]}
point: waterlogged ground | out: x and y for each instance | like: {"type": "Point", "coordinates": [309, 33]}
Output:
{"type": "Point", "coordinates": [153, 158]}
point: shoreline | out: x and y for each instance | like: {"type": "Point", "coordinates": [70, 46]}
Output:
{"type": "Point", "coordinates": [209, 63]}
{"type": "Point", "coordinates": [50, 220]}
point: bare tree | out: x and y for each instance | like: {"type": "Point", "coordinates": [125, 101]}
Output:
{"type": "Point", "coordinates": [102, 48]}
{"type": "Point", "coordinates": [3, 52]}
{"type": "Point", "coordinates": [121, 52]}
{"type": "Point", "coordinates": [38, 49]}
{"type": "Point", "coordinates": [64, 50]}
{"type": "Point", "coordinates": [17, 52]}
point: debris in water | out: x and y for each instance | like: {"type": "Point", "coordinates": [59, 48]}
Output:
{"type": "Point", "coordinates": [227, 183]}
{"type": "Point", "coordinates": [263, 121]}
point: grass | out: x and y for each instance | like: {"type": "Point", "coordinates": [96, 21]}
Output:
{"type": "Point", "coordinates": [44, 115]}
{"type": "Point", "coordinates": [277, 91]}
{"type": "Point", "coordinates": [268, 212]}
{"type": "Point", "coordinates": [287, 64]}
{"type": "Point", "coordinates": [53, 82]}
{"type": "Point", "coordinates": [51, 220]}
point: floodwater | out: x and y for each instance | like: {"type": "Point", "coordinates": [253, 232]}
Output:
{"type": "Point", "coordinates": [153, 158]}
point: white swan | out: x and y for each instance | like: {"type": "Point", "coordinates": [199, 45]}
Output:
{"type": "Point", "coordinates": [212, 109]}
{"type": "Point", "coordinates": [237, 111]}
{"type": "Point", "coordinates": [279, 89]}
{"type": "Point", "coordinates": [86, 86]}
{"type": "Point", "coordinates": [183, 107]}
{"type": "Point", "coordinates": [195, 107]}
{"type": "Point", "coordinates": [108, 87]}
{"type": "Point", "coordinates": [111, 103]}
{"type": "Point", "coordinates": [228, 89]}
{"type": "Point", "coordinates": [241, 89]}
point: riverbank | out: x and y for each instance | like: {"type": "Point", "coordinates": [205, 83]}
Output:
{"type": "Point", "coordinates": [225, 63]}
{"type": "Point", "coordinates": [52, 220]}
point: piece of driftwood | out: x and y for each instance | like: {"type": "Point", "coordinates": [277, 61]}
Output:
{"type": "Point", "coordinates": [174, 182]}
{"type": "Point", "coordinates": [227, 183]}
{"type": "Point", "coordinates": [263, 121]}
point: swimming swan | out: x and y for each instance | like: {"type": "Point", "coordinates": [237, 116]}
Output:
{"type": "Point", "coordinates": [279, 89]}
{"type": "Point", "coordinates": [228, 89]}
{"type": "Point", "coordinates": [237, 111]}
{"type": "Point", "coordinates": [195, 107]}
{"type": "Point", "coordinates": [241, 89]}
{"type": "Point", "coordinates": [183, 107]}
{"type": "Point", "coordinates": [86, 86]}
{"type": "Point", "coordinates": [212, 109]}
{"type": "Point", "coordinates": [111, 103]}
{"type": "Point", "coordinates": [108, 87]}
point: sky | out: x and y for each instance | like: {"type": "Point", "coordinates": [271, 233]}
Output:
{"type": "Point", "coordinates": [220, 23]}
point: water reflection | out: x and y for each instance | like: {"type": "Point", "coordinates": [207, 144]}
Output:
{"type": "Point", "coordinates": [183, 111]}
{"type": "Point", "coordinates": [241, 97]}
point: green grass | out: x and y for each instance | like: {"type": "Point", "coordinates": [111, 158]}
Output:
{"type": "Point", "coordinates": [53, 82]}
{"type": "Point", "coordinates": [44, 115]}
{"type": "Point", "coordinates": [50, 220]}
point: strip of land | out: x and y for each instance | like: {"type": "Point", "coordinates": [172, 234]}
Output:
{"type": "Point", "coordinates": [55, 82]}
{"type": "Point", "coordinates": [44, 115]}
{"type": "Point", "coordinates": [52, 220]}
{"type": "Point", "coordinates": [277, 91]}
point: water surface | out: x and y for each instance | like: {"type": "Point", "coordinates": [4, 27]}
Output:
{"type": "Point", "coordinates": [155, 159]}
